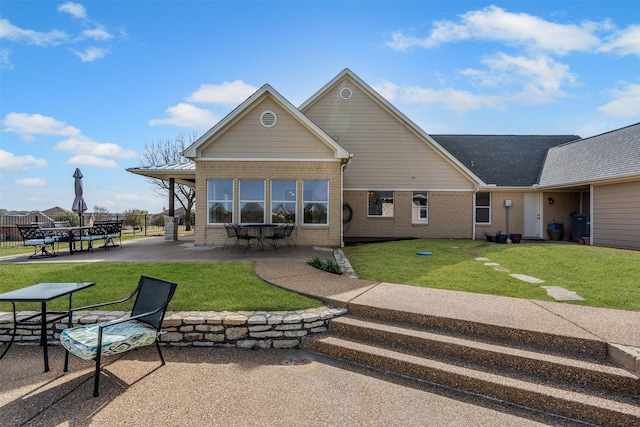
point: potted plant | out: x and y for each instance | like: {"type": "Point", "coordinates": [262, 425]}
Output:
{"type": "Point", "coordinates": [515, 238]}
{"type": "Point", "coordinates": [501, 238]}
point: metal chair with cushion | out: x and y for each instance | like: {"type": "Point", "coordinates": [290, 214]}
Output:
{"type": "Point", "coordinates": [141, 328]}
{"type": "Point", "coordinates": [32, 235]}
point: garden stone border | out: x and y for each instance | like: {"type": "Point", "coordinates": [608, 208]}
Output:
{"type": "Point", "coordinates": [241, 329]}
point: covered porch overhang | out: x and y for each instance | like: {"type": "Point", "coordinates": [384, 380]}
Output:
{"type": "Point", "coordinates": [181, 173]}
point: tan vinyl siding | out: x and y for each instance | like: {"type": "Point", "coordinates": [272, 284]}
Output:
{"type": "Point", "coordinates": [304, 235]}
{"type": "Point", "coordinates": [386, 154]}
{"type": "Point", "coordinates": [616, 215]}
{"type": "Point", "coordinates": [247, 138]}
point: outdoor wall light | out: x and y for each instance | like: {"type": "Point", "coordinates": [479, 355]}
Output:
{"type": "Point", "coordinates": [550, 199]}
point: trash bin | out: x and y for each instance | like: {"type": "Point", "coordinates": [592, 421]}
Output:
{"type": "Point", "coordinates": [555, 231]}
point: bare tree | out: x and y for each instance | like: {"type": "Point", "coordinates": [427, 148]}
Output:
{"type": "Point", "coordinates": [100, 213]}
{"type": "Point", "coordinates": [169, 152]}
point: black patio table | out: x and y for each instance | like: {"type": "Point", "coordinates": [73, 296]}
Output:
{"type": "Point", "coordinates": [42, 293]}
{"type": "Point", "coordinates": [260, 228]}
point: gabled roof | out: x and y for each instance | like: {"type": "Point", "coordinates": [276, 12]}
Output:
{"type": "Point", "coordinates": [610, 156]}
{"type": "Point", "coordinates": [503, 160]}
{"type": "Point", "coordinates": [193, 151]}
{"type": "Point", "coordinates": [394, 112]}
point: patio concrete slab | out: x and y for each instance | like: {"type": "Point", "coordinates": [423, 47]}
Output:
{"type": "Point", "coordinates": [230, 387]}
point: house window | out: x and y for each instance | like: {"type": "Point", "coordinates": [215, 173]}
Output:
{"type": "Point", "coordinates": [420, 207]}
{"type": "Point", "coordinates": [483, 208]}
{"type": "Point", "coordinates": [315, 199]}
{"type": "Point", "coordinates": [283, 201]}
{"type": "Point", "coordinates": [220, 201]}
{"type": "Point", "coordinates": [381, 203]}
{"type": "Point", "coordinates": [251, 201]}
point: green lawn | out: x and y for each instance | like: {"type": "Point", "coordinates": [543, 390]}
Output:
{"type": "Point", "coordinates": [202, 286]}
{"type": "Point", "coordinates": [604, 277]}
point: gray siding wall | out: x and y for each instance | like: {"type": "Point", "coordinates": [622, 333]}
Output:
{"type": "Point", "coordinates": [616, 215]}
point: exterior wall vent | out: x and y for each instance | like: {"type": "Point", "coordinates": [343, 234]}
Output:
{"type": "Point", "coordinates": [345, 93]}
{"type": "Point", "coordinates": [268, 119]}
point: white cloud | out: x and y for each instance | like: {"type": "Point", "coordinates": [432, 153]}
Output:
{"type": "Point", "coordinates": [496, 24]}
{"type": "Point", "coordinates": [5, 59]}
{"type": "Point", "coordinates": [97, 33]}
{"type": "Point", "coordinates": [85, 146]}
{"type": "Point", "coordinates": [90, 54]}
{"type": "Point", "coordinates": [455, 100]}
{"type": "Point", "coordinates": [76, 10]}
{"type": "Point", "coordinates": [30, 182]}
{"type": "Point", "coordinates": [84, 150]}
{"type": "Point", "coordinates": [539, 78]}
{"type": "Point", "coordinates": [387, 89]}
{"type": "Point", "coordinates": [11, 162]}
{"type": "Point", "coordinates": [187, 115]}
{"type": "Point", "coordinates": [11, 32]}
{"type": "Point", "coordinates": [625, 103]}
{"type": "Point", "coordinates": [227, 93]}
{"type": "Point", "coordinates": [625, 42]}
{"type": "Point", "coordinates": [90, 160]}
{"type": "Point", "coordinates": [28, 125]}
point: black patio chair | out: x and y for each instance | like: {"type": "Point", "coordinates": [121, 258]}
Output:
{"type": "Point", "coordinates": [276, 234]}
{"type": "Point", "coordinates": [141, 328]}
{"type": "Point", "coordinates": [287, 235]}
{"type": "Point", "coordinates": [231, 236]}
{"type": "Point", "coordinates": [246, 235]}
{"type": "Point", "coordinates": [32, 235]}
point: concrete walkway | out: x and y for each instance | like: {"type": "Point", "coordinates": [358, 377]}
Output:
{"type": "Point", "coordinates": [218, 386]}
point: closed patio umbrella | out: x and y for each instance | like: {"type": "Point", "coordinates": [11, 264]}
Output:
{"type": "Point", "coordinates": [78, 202]}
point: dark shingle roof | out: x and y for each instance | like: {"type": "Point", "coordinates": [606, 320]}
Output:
{"type": "Point", "coordinates": [609, 155]}
{"type": "Point", "coordinates": [503, 160]}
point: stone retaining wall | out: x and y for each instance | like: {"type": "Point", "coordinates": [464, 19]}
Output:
{"type": "Point", "coordinates": [243, 329]}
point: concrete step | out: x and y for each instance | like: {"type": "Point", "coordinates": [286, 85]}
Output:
{"type": "Point", "coordinates": [525, 338]}
{"type": "Point", "coordinates": [594, 373]}
{"type": "Point", "coordinates": [605, 408]}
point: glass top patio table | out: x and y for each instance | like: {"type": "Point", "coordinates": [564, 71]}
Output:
{"type": "Point", "coordinates": [42, 293]}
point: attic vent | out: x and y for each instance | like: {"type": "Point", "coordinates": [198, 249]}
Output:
{"type": "Point", "coordinates": [345, 93]}
{"type": "Point", "coordinates": [268, 119]}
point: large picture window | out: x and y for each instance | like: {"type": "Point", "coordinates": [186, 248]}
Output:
{"type": "Point", "coordinates": [483, 208]}
{"type": "Point", "coordinates": [283, 201]}
{"type": "Point", "coordinates": [315, 199]}
{"type": "Point", "coordinates": [219, 201]}
{"type": "Point", "coordinates": [252, 201]}
{"type": "Point", "coordinates": [420, 207]}
{"type": "Point", "coordinates": [381, 203]}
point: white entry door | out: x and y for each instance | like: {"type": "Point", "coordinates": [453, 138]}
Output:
{"type": "Point", "coordinates": [532, 226]}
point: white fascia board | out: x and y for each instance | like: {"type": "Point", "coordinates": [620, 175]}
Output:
{"type": "Point", "coordinates": [193, 151]}
{"type": "Point", "coordinates": [399, 115]}
{"type": "Point", "coordinates": [262, 159]}
{"type": "Point", "coordinates": [595, 181]}
{"type": "Point", "coordinates": [448, 190]}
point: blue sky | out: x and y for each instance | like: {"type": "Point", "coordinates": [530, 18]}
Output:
{"type": "Point", "coordinates": [88, 84]}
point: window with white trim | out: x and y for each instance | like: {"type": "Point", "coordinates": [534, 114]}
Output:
{"type": "Point", "coordinates": [219, 201]}
{"type": "Point", "coordinates": [283, 201]}
{"type": "Point", "coordinates": [420, 207]}
{"type": "Point", "coordinates": [315, 200]}
{"type": "Point", "coordinates": [381, 203]}
{"type": "Point", "coordinates": [483, 208]}
{"type": "Point", "coordinates": [252, 201]}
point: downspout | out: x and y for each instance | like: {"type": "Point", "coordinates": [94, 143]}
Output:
{"type": "Point", "coordinates": [591, 215]}
{"type": "Point", "coordinates": [344, 164]}
{"type": "Point", "coordinates": [473, 212]}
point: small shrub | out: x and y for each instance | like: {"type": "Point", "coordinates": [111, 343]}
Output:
{"type": "Point", "coordinates": [315, 262]}
{"type": "Point", "coordinates": [332, 267]}
{"type": "Point", "coordinates": [329, 266]}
